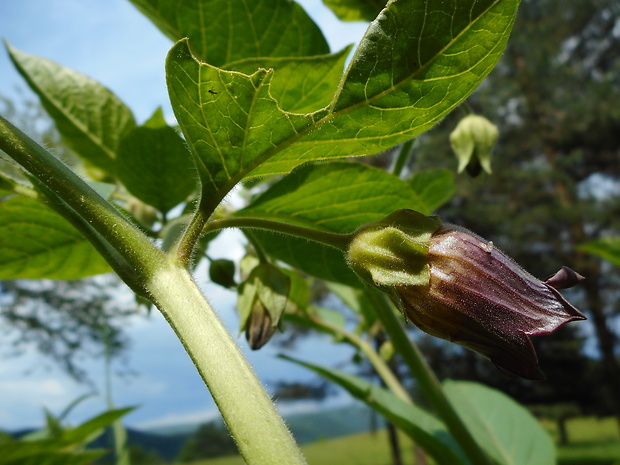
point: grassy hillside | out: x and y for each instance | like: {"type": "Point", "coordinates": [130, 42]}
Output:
{"type": "Point", "coordinates": [356, 449]}
{"type": "Point", "coordinates": [593, 442]}
{"type": "Point", "coordinates": [329, 424]}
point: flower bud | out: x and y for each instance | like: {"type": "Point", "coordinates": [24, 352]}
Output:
{"type": "Point", "coordinates": [474, 294]}
{"type": "Point", "coordinates": [262, 300]}
{"type": "Point", "coordinates": [259, 327]}
{"type": "Point", "coordinates": [222, 272]}
{"type": "Point", "coordinates": [472, 141]}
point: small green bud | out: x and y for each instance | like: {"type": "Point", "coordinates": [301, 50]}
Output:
{"type": "Point", "coordinates": [387, 351]}
{"type": "Point", "coordinates": [222, 272]}
{"type": "Point", "coordinates": [263, 297]}
{"type": "Point", "coordinates": [472, 141]}
{"type": "Point", "coordinates": [259, 327]}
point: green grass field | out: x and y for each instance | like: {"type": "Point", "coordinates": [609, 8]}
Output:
{"type": "Point", "coordinates": [357, 449]}
{"type": "Point", "coordinates": [593, 442]}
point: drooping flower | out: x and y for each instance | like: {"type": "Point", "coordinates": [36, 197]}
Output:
{"type": "Point", "coordinates": [472, 142]}
{"type": "Point", "coordinates": [467, 291]}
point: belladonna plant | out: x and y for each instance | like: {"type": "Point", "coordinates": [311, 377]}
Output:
{"type": "Point", "coordinates": [455, 285]}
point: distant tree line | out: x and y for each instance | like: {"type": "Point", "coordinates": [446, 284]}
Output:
{"type": "Point", "coordinates": [555, 185]}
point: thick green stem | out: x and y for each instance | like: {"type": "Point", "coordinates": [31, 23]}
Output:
{"type": "Point", "coordinates": [258, 429]}
{"type": "Point", "coordinates": [69, 191]}
{"type": "Point", "coordinates": [338, 241]}
{"type": "Point", "coordinates": [427, 381]}
{"type": "Point", "coordinates": [261, 435]}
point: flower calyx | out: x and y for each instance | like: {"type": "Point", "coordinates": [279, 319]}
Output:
{"type": "Point", "coordinates": [393, 251]}
{"type": "Point", "coordinates": [457, 286]}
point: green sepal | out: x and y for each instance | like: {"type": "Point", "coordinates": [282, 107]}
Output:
{"type": "Point", "coordinates": [267, 284]}
{"type": "Point", "coordinates": [245, 301]}
{"type": "Point", "coordinates": [393, 251]}
{"type": "Point", "coordinates": [263, 298]}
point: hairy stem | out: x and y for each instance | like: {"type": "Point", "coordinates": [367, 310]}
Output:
{"type": "Point", "coordinates": [121, 243]}
{"type": "Point", "coordinates": [336, 240]}
{"type": "Point", "coordinates": [260, 433]}
{"type": "Point", "coordinates": [184, 248]}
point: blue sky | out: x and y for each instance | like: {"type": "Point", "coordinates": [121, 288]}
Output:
{"type": "Point", "coordinates": [110, 41]}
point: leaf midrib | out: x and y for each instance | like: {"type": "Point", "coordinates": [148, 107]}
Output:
{"type": "Point", "coordinates": [331, 115]}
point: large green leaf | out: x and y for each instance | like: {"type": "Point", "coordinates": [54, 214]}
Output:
{"type": "Point", "coordinates": [91, 119]}
{"type": "Point", "coordinates": [155, 165]}
{"type": "Point", "coordinates": [36, 243]}
{"type": "Point", "coordinates": [336, 197]}
{"type": "Point", "coordinates": [430, 433]}
{"type": "Point", "coordinates": [300, 85]}
{"type": "Point", "coordinates": [434, 187]}
{"type": "Point", "coordinates": [222, 31]}
{"type": "Point", "coordinates": [607, 248]}
{"type": "Point", "coordinates": [417, 61]}
{"type": "Point", "coordinates": [228, 118]}
{"type": "Point", "coordinates": [356, 10]}
{"type": "Point", "coordinates": [502, 427]}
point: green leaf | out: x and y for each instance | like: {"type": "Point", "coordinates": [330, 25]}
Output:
{"type": "Point", "coordinates": [418, 61]}
{"type": "Point", "coordinates": [45, 453]}
{"type": "Point", "coordinates": [37, 243]}
{"type": "Point", "coordinates": [607, 248]}
{"type": "Point", "coordinates": [222, 31]}
{"type": "Point", "coordinates": [356, 10]}
{"type": "Point", "coordinates": [330, 316]}
{"type": "Point", "coordinates": [430, 433]}
{"type": "Point", "coordinates": [434, 187]}
{"type": "Point", "coordinates": [358, 301]}
{"type": "Point", "coordinates": [155, 165]}
{"type": "Point", "coordinates": [91, 119]}
{"type": "Point", "coordinates": [300, 85]}
{"type": "Point", "coordinates": [12, 175]}
{"type": "Point", "coordinates": [245, 301]}
{"type": "Point", "coordinates": [74, 403]}
{"type": "Point", "coordinates": [91, 429]}
{"type": "Point", "coordinates": [272, 288]}
{"type": "Point", "coordinates": [502, 427]}
{"type": "Point", "coordinates": [228, 118]}
{"type": "Point", "coordinates": [299, 294]}
{"type": "Point", "coordinates": [336, 197]}
{"type": "Point", "coordinates": [437, 56]}
{"type": "Point", "coordinates": [64, 448]}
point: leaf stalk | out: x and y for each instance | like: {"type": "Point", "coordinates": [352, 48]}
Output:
{"type": "Point", "coordinates": [336, 240]}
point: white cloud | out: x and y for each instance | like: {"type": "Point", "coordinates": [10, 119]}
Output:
{"type": "Point", "coordinates": [184, 418]}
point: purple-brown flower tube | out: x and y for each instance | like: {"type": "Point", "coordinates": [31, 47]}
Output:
{"type": "Point", "coordinates": [474, 295]}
